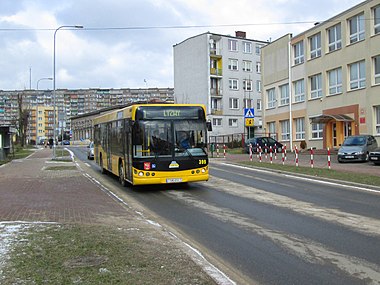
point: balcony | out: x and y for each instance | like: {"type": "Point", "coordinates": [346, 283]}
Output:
{"type": "Point", "coordinates": [217, 112]}
{"type": "Point", "coordinates": [216, 71]}
{"type": "Point", "coordinates": [216, 92]}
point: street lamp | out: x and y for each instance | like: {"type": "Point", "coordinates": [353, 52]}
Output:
{"type": "Point", "coordinates": [54, 95]}
{"type": "Point", "coordinates": [45, 78]}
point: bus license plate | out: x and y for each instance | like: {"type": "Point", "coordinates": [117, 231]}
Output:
{"type": "Point", "coordinates": [173, 180]}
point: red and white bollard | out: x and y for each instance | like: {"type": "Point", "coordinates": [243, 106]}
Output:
{"type": "Point", "coordinates": [283, 156]}
{"type": "Point", "coordinates": [328, 158]}
{"type": "Point", "coordinates": [275, 151]}
{"type": "Point", "coordinates": [271, 154]}
{"type": "Point", "coordinates": [296, 156]}
{"type": "Point", "coordinates": [311, 157]}
{"type": "Point", "coordinates": [285, 151]}
{"type": "Point", "coordinates": [266, 151]}
{"type": "Point", "coordinates": [224, 151]}
{"type": "Point", "coordinates": [217, 150]}
{"type": "Point", "coordinates": [257, 150]}
{"type": "Point", "coordinates": [260, 154]}
{"type": "Point", "coordinates": [250, 152]}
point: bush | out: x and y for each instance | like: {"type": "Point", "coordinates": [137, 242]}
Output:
{"type": "Point", "coordinates": [303, 145]}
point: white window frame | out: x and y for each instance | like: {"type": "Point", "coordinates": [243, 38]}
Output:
{"type": "Point", "coordinates": [356, 26]}
{"type": "Point", "coordinates": [233, 45]}
{"type": "Point", "coordinates": [377, 119]}
{"type": "Point", "coordinates": [233, 64]}
{"type": "Point", "coordinates": [315, 46]}
{"type": "Point", "coordinates": [258, 67]}
{"type": "Point", "coordinates": [376, 69]}
{"type": "Point", "coordinates": [317, 131]}
{"type": "Point", "coordinates": [217, 122]}
{"type": "Point", "coordinates": [247, 47]}
{"type": "Point", "coordinates": [299, 54]}
{"type": "Point", "coordinates": [247, 65]}
{"type": "Point", "coordinates": [248, 103]}
{"type": "Point", "coordinates": [300, 128]}
{"type": "Point", "coordinates": [357, 75]}
{"type": "Point", "coordinates": [285, 130]}
{"type": "Point", "coordinates": [233, 103]}
{"type": "Point", "coordinates": [284, 95]}
{"type": "Point", "coordinates": [259, 104]}
{"type": "Point", "coordinates": [233, 123]}
{"type": "Point", "coordinates": [272, 128]}
{"type": "Point", "coordinates": [299, 90]}
{"type": "Point", "coordinates": [233, 84]}
{"type": "Point", "coordinates": [258, 86]}
{"type": "Point", "coordinates": [258, 49]}
{"type": "Point", "coordinates": [316, 86]}
{"type": "Point", "coordinates": [376, 20]}
{"type": "Point", "coordinates": [247, 85]}
{"type": "Point", "coordinates": [271, 95]}
{"type": "Point", "coordinates": [335, 81]}
{"type": "Point", "coordinates": [334, 35]}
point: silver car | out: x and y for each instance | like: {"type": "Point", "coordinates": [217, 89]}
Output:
{"type": "Point", "coordinates": [90, 151]}
{"type": "Point", "coordinates": [357, 148]}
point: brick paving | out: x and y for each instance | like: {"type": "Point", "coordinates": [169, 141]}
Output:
{"type": "Point", "coordinates": [31, 190]}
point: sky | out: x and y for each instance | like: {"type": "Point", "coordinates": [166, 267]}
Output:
{"type": "Point", "coordinates": [129, 43]}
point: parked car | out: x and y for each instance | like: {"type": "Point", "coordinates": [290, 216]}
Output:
{"type": "Point", "coordinates": [374, 156]}
{"type": "Point", "coordinates": [264, 142]}
{"type": "Point", "coordinates": [357, 148]}
{"type": "Point", "coordinates": [90, 151]}
{"type": "Point", "coordinates": [66, 142]}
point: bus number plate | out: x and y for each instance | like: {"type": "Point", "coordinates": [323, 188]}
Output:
{"type": "Point", "coordinates": [173, 180]}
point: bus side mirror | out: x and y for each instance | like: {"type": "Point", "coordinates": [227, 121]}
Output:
{"type": "Point", "coordinates": [209, 126]}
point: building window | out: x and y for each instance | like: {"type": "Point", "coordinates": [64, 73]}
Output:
{"type": "Point", "coordinates": [335, 81]}
{"type": "Point", "coordinates": [285, 130]}
{"type": "Point", "coordinates": [376, 22]}
{"type": "Point", "coordinates": [258, 85]}
{"type": "Point", "coordinates": [258, 49]}
{"type": "Point", "coordinates": [377, 114]}
{"type": "Point", "coordinates": [247, 65]}
{"type": "Point", "coordinates": [299, 90]}
{"type": "Point", "coordinates": [216, 121]}
{"type": "Point", "coordinates": [234, 103]}
{"type": "Point", "coordinates": [247, 85]}
{"type": "Point", "coordinates": [335, 37]}
{"type": "Point", "coordinates": [316, 131]}
{"type": "Point", "coordinates": [284, 94]}
{"type": "Point", "coordinates": [356, 28]}
{"type": "Point", "coordinates": [315, 46]}
{"type": "Point", "coordinates": [300, 128]}
{"type": "Point", "coordinates": [258, 67]}
{"type": "Point", "coordinates": [234, 84]}
{"type": "Point", "coordinates": [272, 129]}
{"type": "Point", "coordinates": [271, 98]}
{"type": "Point", "coordinates": [233, 45]}
{"type": "Point", "coordinates": [232, 64]}
{"type": "Point", "coordinates": [259, 105]}
{"type": "Point", "coordinates": [233, 123]}
{"type": "Point", "coordinates": [247, 47]}
{"type": "Point", "coordinates": [357, 75]}
{"type": "Point", "coordinates": [248, 103]}
{"type": "Point", "coordinates": [316, 86]}
{"type": "Point", "coordinates": [298, 53]}
{"type": "Point", "coordinates": [376, 63]}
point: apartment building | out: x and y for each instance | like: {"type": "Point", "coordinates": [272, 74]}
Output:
{"type": "Point", "coordinates": [324, 84]}
{"type": "Point", "coordinates": [68, 103]}
{"type": "Point", "coordinates": [222, 72]}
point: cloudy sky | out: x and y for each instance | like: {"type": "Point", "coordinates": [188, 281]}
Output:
{"type": "Point", "coordinates": [129, 43]}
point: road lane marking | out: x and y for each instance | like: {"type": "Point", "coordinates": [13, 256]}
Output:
{"type": "Point", "coordinates": [306, 249]}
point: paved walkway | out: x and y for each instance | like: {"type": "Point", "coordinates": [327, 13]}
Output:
{"type": "Point", "coordinates": [38, 189]}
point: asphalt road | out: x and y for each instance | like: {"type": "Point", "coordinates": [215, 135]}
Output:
{"type": "Point", "coordinates": [265, 228]}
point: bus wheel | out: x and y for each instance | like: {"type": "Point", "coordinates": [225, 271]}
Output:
{"type": "Point", "coordinates": [121, 175]}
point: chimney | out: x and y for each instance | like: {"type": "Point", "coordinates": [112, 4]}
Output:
{"type": "Point", "coordinates": [240, 34]}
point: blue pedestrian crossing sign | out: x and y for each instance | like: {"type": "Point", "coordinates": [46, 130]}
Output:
{"type": "Point", "coordinates": [249, 113]}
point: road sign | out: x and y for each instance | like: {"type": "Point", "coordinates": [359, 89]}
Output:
{"type": "Point", "coordinates": [249, 112]}
{"type": "Point", "coordinates": [249, 122]}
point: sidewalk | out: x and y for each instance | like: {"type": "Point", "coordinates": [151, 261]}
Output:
{"type": "Point", "coordinates": [38, 189]}
{"type": "Point", "coordinates": [304, 160]}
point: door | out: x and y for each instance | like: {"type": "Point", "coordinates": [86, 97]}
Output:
{"type": "Point", "coordinates": [334, 135]}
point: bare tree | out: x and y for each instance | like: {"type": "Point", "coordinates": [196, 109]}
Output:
{"type": "Point", "coordinates": [22, 124]}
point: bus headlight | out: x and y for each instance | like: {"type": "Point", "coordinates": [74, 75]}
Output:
{"type": "Point", "coordinates": [141, 173]}
{"type": "Point", "coordinates": [203, 170]}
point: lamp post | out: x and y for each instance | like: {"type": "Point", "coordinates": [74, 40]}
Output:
{"type": "Point", "coordinates": [45, 78]}
{"type": "Point", "coordinates": [54, 95]}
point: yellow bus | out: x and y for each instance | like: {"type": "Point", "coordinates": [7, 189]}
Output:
{"type": "Point", "coordinates": [153, 143]}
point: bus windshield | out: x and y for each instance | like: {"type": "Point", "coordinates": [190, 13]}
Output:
{"type": "Point", "coordinates": [168, 138]}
